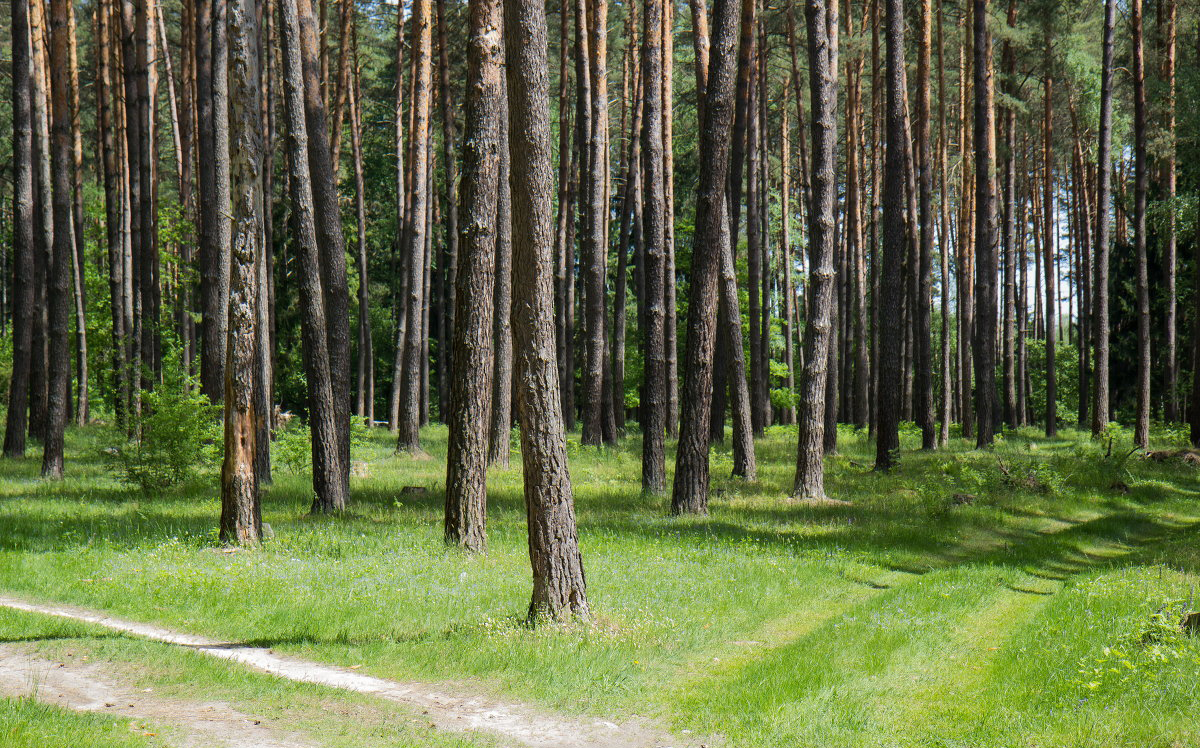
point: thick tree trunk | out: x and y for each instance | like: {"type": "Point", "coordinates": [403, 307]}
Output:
{"type": "Point", "coordinates": [59, 277]}
{"type": "Point", "coordinates": [985, 231]}
{"type": "Point", "coordinates": [558, 578]}
{"type": "Point", "coordinates": [24, 245]}
{"type": "Point", "coordinates": [710, 245]}
{"type": "Point", "coordinates": [1100, 397]}
{"type": "Point", "coordinates": [241, 521]}
{"type": "Point", "coordinates": [892, 282]}
{"type": "Point", "coordinates": [330, 475]}
{"type": "Point", "coordinates": [470, 398]}
{"type": "Point", "coordinates": [819, 339]}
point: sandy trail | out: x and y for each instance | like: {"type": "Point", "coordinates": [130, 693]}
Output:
{"type": "Point", "coordinates": [445, 709]}
{"type": "Point", "coordinates": [84, 686]}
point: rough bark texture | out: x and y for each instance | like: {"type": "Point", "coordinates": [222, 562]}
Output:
{"type": "Point", "coordinates": [892, 282]}
{"type": "Point", "coordinates": [241, 522]}
{"type": "Point", "coordinates": [1141, 424]}
{"type": "Point", "coordinates": [22, 238]}
{"type": "Point", "coordinates": [470, 396]}
{"type": "Point", "coordinates": [923, 309]}
{"type": "Point", "coordinates": [416, 226]}
{"type": "Point", "coordinates": [559, 587]}
{"type": "Point", "coordinates": [59, 278]}
{"type": "Point", "coordinates": [212, 113]}
{"type": "Point", "coordinates": [821, 18]}
{"type": "Point", "coordinates": [985, 231]}
{"type": "Point", "coordinates": [500, 429]}
{"type": "Point", "coordinates": [330, 476]}
{"type": "Point", "coordinates": [654, 384]}
{"type": "Point", "coordinates": [1100, 397]}
{"type": "Point", "coordinates": [690, 489]}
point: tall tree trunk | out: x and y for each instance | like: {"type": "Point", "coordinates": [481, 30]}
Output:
{"type": "Point", "coordinates": [1048, 251]}
{"type": "Point", "coordinates": [213, 189]}
{"type": "Point", "coordinates": [1167, 17]}
{"type": "Point", "coordinates": [366, 342]}
{"type": "Point", "coordinates": [43, 226]}
{"type": "Point", "coordinates": [710, 245]}
{"type": "Point", "coordinates": [786, 274]}
{"type": "Point", "coordinates": [558, 578]}
{"type": "Point", "coordinates": [470, 398]}
{"type": "Point", "coordinates": [892, 282]}
{"type": "Point", "coordinates": [821, 17]}
{"type": "Point", "coordinates": [500, 430]}
{"type": "Point", "coordinates": [943, 240]}
{"type": "Point", "coordinates": [449, 260]}
{"type": "Point", "coordinates": [1141, 430]}
{"type": "Point", "coordinates": [241, 521]}
{"type": "Point", "coordinates": [82, 382]}
{"type": "Point", "coordinates": [24, 245]}
{"type": "Point", "coordinates": [1100, 397]}
{"type": "Point", "coordinates": [409, 438]}
{"type": "Point", "coordinates": [923, 332]}
{"type": "Point", "coordinates": [330, 477]}
{"type": "Point", "coordinates": [985, 231]}
{"type": "Point", "coordinates": [670, 296]}
{"type": "Point", "coordinates": [654, 385]}
{"type": "Point", "coordinates": [564, 248]}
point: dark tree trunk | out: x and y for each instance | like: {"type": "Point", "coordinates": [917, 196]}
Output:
{"type": "Point", "coordinates": [1100, 400]}
{"type": "Point", "coordinates": [1048, 251]}
{"type": "Point", "coordinates": [892, 282]}
{"type": "Point", "coordinates": [985, 232]}
{"type": "Point", "coordinates": [330, 475]}
{"type": "Point", "coordinates": [1167, 17]}
{"type": "Point", "coordinates": [59, 278]}
{"type": "Point", "coordinates": [450, 213]}
{"type": "Point", "coordinates": [22, 237]}
{"type": "Point", "coordinates": [1141, 429]}
{"type": "Point", "coordinates": [213, 173]}
{"type": "Point", "coordinates": [558, 578]}
{"type": "Point", "coordinates": [241, 521]}
{"type": "Point", "coordinates": [500, 430]}
{"type": "Point", "coordinates": [819, 339]}
{"type": "Point", "coordinates": [470, 398]}
{"type": "Point", "coordinates": [710, 244]}
{"type": "Point", "coordinates": [923, 332]}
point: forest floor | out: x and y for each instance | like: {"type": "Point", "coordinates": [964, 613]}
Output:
{"type": "Point", "coordinates": [1023, 596]}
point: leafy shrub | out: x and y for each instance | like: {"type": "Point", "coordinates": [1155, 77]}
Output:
{"type": "Point", "coordinates": [176, 433]}
{"type": "Point", "coordinates": [293, 448]}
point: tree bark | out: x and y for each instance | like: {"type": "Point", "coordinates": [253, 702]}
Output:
{"type": "Point", "coordinates": [500, 429]}
{"type": "Point", "coordinates": [241, 521]}
{"type": "Point", "coordinates": [985, 231]}
{"type": "Point", "coordinates": [1048, 251]}
{"type": "Point", "coordinates": [1141, 429]}
{"type": "Point", "coordinates": [24, 245]}
{"type": "Point", "coordinates": [470, 398]}
{"type": "Point", "coordinates": [450, 213]}
{"type": "Point", "coordinates": [709, 247]}
{"type": "Point", "coordinates": [1100, 395]}
{"type": "Point", "coordinates": [409, 438]}
{"type": "Point", "coordinates": [330, 476]}
{"type": "Point", "coordinates": [558, 578]}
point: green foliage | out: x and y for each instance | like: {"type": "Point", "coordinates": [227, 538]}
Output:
{"type": "Point", "coordinates": [176, 434]}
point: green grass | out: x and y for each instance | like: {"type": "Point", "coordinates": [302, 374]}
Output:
{"type": "Point", "coordinates": [903, 619]}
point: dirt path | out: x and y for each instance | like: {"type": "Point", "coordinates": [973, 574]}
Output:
{"type": "Point", "coordinates": [88, 687]}
{"type": "Point", "coordinates": [443, 708]}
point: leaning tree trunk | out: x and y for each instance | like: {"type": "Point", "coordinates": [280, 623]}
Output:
{"type": "Point", "coordinates": [470, 397]}
{"type": "Point", "coordinates": [22, 238]}
{"type": "Point", "coordinates": [241, 521]}
{"type": "Point", "coordinates": [1100, 398]}
{"type": "Point", "coordinates": [558, 578]}
{"type": "Point", "coordinates": [330, 475]}
{"type": "Point", "coordinates": [690, 489]}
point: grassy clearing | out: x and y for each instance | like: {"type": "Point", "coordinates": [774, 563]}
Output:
{"type": "Point", "coordinates": [905, 619]}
